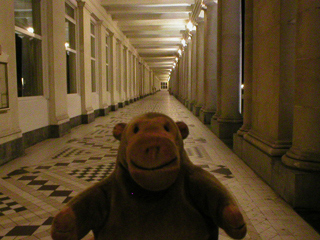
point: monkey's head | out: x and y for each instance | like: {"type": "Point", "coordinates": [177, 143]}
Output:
{"type": "Point", "coordinates": [151, 147]}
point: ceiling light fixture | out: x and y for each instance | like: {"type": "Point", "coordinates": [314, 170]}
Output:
{"type": "Point", "coordinates": [30, 29]}
{"type": "Point", "coordinates": [183, 41]}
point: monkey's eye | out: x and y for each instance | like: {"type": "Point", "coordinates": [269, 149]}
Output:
{"type": "Point", "coordinates": [136, 129]}
{"type": "Point", "coordinates": [166, 127]}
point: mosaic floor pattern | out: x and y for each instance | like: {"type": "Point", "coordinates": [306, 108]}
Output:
{"type": "Point", "coordinates": [31, 194]}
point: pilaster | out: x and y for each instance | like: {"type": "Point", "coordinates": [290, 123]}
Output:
{"type": "Point", "coordinates": [88, 114]}
{"type": "Point", "coordinates": [58, 105]}
{"type": "Point", "coordinates": [103, 98]}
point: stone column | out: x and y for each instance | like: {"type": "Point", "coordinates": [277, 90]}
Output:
{"type": "Point", "coordinates": [247, 78]}
{"type": "Point", "coordinates": [113, 72]}
{"type": "Point", "coordinates": [131, 84]}
{"type": "Point", "coordinates": [145, 80]}
{"type": "Point", "coordinates": [126, 76]}
{"type": "Point", "coordinates": [138, 79]}
{"type": "Point", "coordinates": [210, 62]}
{"type": "Point", "coordinates": [305, 151]}
{"type": "Point", "coordinates": [58, 112]}
{"type": "Point", "coordinates": [175, 84]}
{"type": "Point", "coordinates": [136, 76]}
{"type": "Point", "coordinates": [181, 79]}
{"type": "Point", "coordinates": [85, 64]}
{"type": "Point", "coordinates": [121, 78]}
{"type": "Point", "coordinates": [102, 89]}
{"type": "Point", "coordinates": [193, 71]}
{"type": "Point", "coordinates": [303, 158]}
{"type": "Point", "coordinates": [142, 80]}
{"type": "Point", "coordinates": [188, 74]}
{"type": "Point", "coordinates": [151, 81]}
{"type": "Point", "coordinates": [184, 77]}
{"type": "Point", "coordinates": [285, 101]}
{"type": "Point", "coordinates": [229, 119]}
{"type": "Point", "coordinates": [200, 67]}
{"type": "Point", "coordinates": [148, 77]}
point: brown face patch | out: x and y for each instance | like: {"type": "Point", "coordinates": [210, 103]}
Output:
{"type": "Point", "coordinates": [152, 150]}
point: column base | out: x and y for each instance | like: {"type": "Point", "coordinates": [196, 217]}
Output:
{"type": "Point", "coordinates": [237, 144]}
{"type": "Point", "coordinates": [104, 111]}
{"type": "Point", "coordinates": [196, 110]}
{"type": "Point", "coordinates": [88, 118]}
{"type": "Point", "coordinates": [75, 121]}
{"type": "Point", "coordinates": [206, 115]}
{"type": "Point", "coordinates": [190, 106]}
{"type": "Point", "coordinates": [294, 186]}
{"type": "Point", "coordinates": [11, 150]}
{"type": "Point", "coordinates": [224, 130]}
{"type": "Point", "coordinates": [121, 104]}
{"type": "Point", "coordinates": [301, 161]}
{"type": "Point", "coordinates": [181, 99]}
{"type": "Point", "coordinates": [186, 103]}
{"type": "Point", "coordinates": [56, 131]}
{"type": "Point", "coordinates": [114, 107]}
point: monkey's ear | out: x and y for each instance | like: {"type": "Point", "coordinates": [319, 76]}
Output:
{"type": "Point", "coordinates": [184, 130]}
{"type": "Point", "coordinates": [118, 129]}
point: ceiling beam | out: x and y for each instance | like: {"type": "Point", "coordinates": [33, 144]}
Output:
{"type": "Point", "coordinates": [150, 27]}
{"type": "Point", "coordinates": [116, 9]}
{"type": "Point", "coordinates": [154, 22]}
{"type": "Point", "coordinates": [149, 16]}
{"type": "Point", "coordinates": [144, 2]}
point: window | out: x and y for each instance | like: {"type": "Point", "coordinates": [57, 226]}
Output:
{"type": "Point", "coordinates": [28, 47]}
{"type": "Point", "coordinates": [107, 59]}
{"type": "Point", "coordinates": [93, 56]}
{"type": "Point", "coordinates": [3, 86]}
{"type": "Point", "coordinates": [71, 52]}
{"type": "Point", "coordinates": [164, 85]}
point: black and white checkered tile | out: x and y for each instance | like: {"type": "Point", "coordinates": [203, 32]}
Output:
{"type": "Point", "coordinates": [8, 206]}
{"type": "Point", "coordinates": [93, 173]}
{"type": "Point", "coordinates": [79, 164]}
{"type": "Point", "coordinates": [37, 229]}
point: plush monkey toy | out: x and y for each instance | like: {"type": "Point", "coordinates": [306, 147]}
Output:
{"type": "Point", "coordinates": [154, 193]}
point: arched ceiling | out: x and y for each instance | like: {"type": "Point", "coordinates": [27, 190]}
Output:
{"type": "Point", "coordinates": [154, 27]}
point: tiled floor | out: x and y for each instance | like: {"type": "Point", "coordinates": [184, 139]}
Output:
{"type": "Point", "coordinates": [34, 187]}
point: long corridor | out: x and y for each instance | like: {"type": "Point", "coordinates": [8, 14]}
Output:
{"type": "Point", "coordinates": [34, 187]}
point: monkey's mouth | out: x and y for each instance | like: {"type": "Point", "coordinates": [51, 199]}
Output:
{"type": "Point", "coordinates": [154, 168]}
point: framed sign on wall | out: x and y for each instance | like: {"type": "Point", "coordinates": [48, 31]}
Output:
{"type": "Point", "coordinates": [4, 103]}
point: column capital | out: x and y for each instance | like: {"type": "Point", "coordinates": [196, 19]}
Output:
{"type": "Point", "coordinates": [199, 20]}
{"type": "Point", "coordinates": [210, 2]}
{"type": "Point", "coordinates": [111, 34]}
{"type": "Point", "coordinates": [99, 22]}
{"type": "Point", "coordinates": [81, 3]}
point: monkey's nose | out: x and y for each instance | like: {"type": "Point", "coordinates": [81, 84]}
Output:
{"type": "Point", "coordinates": [152, 152]}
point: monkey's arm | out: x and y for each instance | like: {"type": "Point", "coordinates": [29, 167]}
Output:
{"type": "Point", "coordinates": [215, 201]}
{"type": "Point", "coordinates": [85, 212]}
